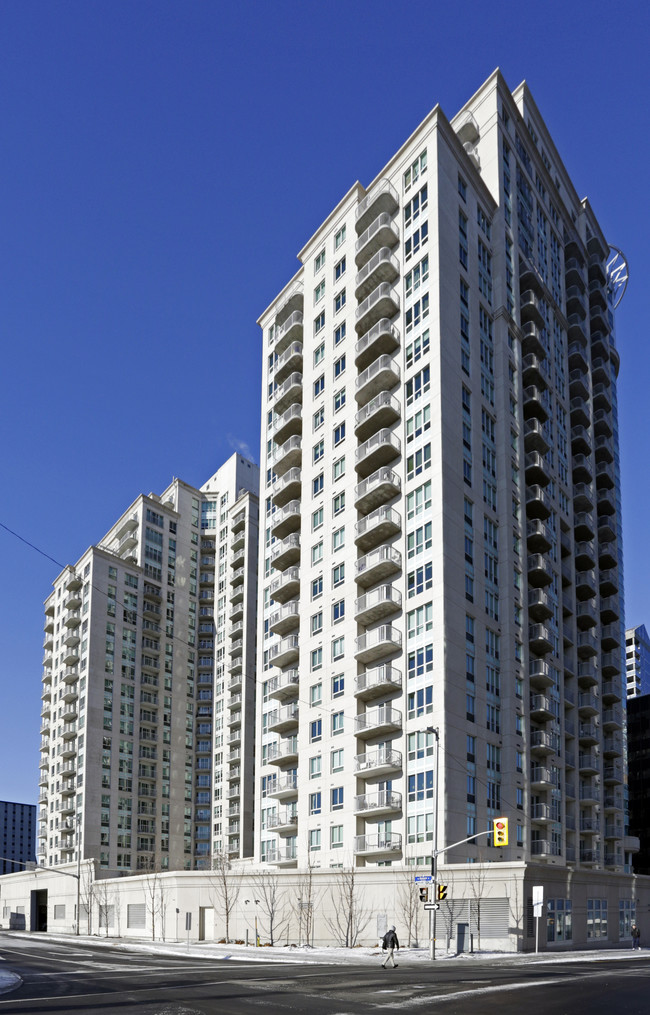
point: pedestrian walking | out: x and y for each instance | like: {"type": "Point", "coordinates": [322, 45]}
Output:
{"type": "Point", "coordinates": [636, 936]}
{"type": "Point", "coordinates": [389, 944]}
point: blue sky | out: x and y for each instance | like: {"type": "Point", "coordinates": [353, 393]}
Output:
{"type": "Point", "coordinates": [162, 163]}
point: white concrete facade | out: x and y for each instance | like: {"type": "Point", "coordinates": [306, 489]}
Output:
{"type": "Point", "coordinates": [441, 515]}
{"type": "Point", "coordinates": [135, 665]}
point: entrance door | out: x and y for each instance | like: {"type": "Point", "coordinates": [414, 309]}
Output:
{"type": "Point", "coordinates": [206, 923]}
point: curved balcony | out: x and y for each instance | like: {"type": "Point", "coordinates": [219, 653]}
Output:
{"type": "Point", "coordinates": [289, 362]}
{"type": "Point", "coordinates": [382, 375]}
{"type": "Point", "coordinates": [612, 719]}
{"type": "Point", "coordinates": [606, 500]}
{"type": "Point", "coordinates": [382, 267]}
{"type": "Point", "coordinates": [73, 601]}
{"type": "Point", "coordinates": [288, 393]}
{"type": "Point", "coordinates": [542, 777]}
{"type": "Point", "coordinates": [284, 686]}
{"type": "Point", "coordinates": [582, 469]}
{"type": "Point", "coordinates": [382, 302]}
{"type": "Point", "coordinates": [288, 424]}
{"type": "Point", "coordinates": [588, 734]}
{"type": "Point", "coordinates": [573, 269]}
{"type": "Point", "coordinates": [285, 620]}
{"type": "Point", "coordinates": [539, 639]}
{"type": "Point", "coordinates": [381, 844]}
{"type": "Point", "coordinates": [287, 456]}
{"type": "Point", "coordinates": [534, 437]}
{"type": "Point", "coordinates": [377, 489]}
{"type": "Point", "coordinates": [540, 604]}
{"type": "Point", "coordinates": [542, 708]}
{"type": "Point", "coordinates": [588, 763]}
{"type": "Point", "coordinates": [378, 721]}
{"type": "Point", "coordinates": [611, 667]}
{"type": "Point", "coordinates": [534, 370]}
{"type": "Point", "coordinates": [237, 577]}
{"type": "Point", "coordinates": [610, 609]}
{"type": "Point", "coordinates": [381, 411]}
{"type": "Point", "coordinates": [71, 656]}
{"type": "Point", "coordinates": [577, 358]}
{"type": "Point", "coordinates": [377, 682]}
{"type": "Point", "coordinates": [376, 762]}
{"type": "Point", "coordinates": [72, 618]}
{"type": "Point", "coordinates": [380, 449]}
{"type": "Point", "coordinates": [576, 330]}
{"type": "Point", "coordinates": [613, 773]}
{"type": "Point", "coordinates": [283, 752]}
{"type": "Point", "coordinates": [608, 554]}
{"type": "Point", "coordinates": [377, 527]}
{"type": "Point", "coordinates": [286, 520]}
{"type": "Point", "coordinates": [287, 553]}
{"type": "Point", "coordinates": [382, 232]}
{"type": "Point", "coordinates": [540, 571]}
{"type": "Point", "coordinates": [580, 440]}
{"type": "Point", "coordinates": [283, 719]}
{"type": "Point", "coordinates": [598, 319]}
{"type": "Point", "coordinates": [600, 346]}
{"type": "Point", "coordinates": [578, 384]}
{"type": "Point", "coordinates": [585, 582]}
{"type": "Point", "coordinates": [576, 302]}
{"type": "Point", "coordinates": [583, 498]}
{"type": "Point", "coordinates": [378, 643]}
{"type": "Point", "coordinates": [586, 615]}
{"type": "Point", "coordinates": [283, 787]}
{"type": "Point", "coordinates": [602, 423]}
{"type": "Point", "coordinates": [530, 308]}
{"type": "Point", "coordinates": [588, 674]}
{"type": "Point", "coordinates": [605, 478]}
{"type": "Point", "coordinates": [587, 704]}
{"type": "Point", "coordinates": [382, 198]}
{"type": "Point", "coordinates": [585, 555]}
{"type": "Point", "coordinates": [539, 537]}
{"type": "Point", "coordinates": [602, 397]}
{"type": "Point", "coordinates": [287, 488]}
{"type": "Point", "coordinates": [534, 404]}
{"type": "Point", "coordinates": [377, 565]}
{"type": "Point", "coordinates": [284, 822]}
{"type": "Point", "coordinates": [381, 802]}
{"type": "Point", "coordinates": [539, 674]}
{"type": "Point", "coordinates": [285, 652]}
{"type": "Point", "coordinates": [610, 637]}
{"type": "Point", "coordinates": [286, 587]}
{"type": "Point", "coordinates": [579, 409]}
{"type": "Point", "coordinates": [531, 339]}
{"type": "Point", "coordinates": [536, 469]}
{"type": "Point", "coordinates": [604, 449]}
{"type": "Point", "coordinates": [538, 503]}
{"type": "Point", "coordinates": [541, 814]}
{"type": "Point", "coordinates": [290, 331]}
{"type": "Point", "coordinates": [583, 526]}
{"type": "Point", "coordinates": [542, 742]}
{"type": "Point", "coordinates": [382, 339]}
{"type": "Point", "coordinates": [282, 856]}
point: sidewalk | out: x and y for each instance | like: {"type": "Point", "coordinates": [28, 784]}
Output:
{"type": "Point", "coordinates": [321, 955]}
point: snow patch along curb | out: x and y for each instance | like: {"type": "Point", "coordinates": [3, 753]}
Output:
{"type": "Point", "coordinates": [8, 982]}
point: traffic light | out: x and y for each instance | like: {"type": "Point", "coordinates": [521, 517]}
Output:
{"type": "Point", "coordinates": [442, 892]}
{"type": "Point", "coordinates": [500, 831]}
{"type": "Point", "coordinates": [424, 894]}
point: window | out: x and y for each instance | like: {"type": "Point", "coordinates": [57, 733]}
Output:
{"type": "Point", "coordinates": [315, 767]}
{"type": "Point", "coordinates": [420, 786]}
{"type": "Point", "coordinates": [319, 322]}
{"type": "Point", "coordinates": [419, 620]}
{"type": "Point", "coordinates": [316, 659]}
{"type": "Point", "coordinates": [338, 685]}
{"type": "Point", "coordinates": [319, 291]}
{"type": "Point", "coordinates": [339, 399]}
{"type": "Point", "coordinates": [420, 702]}
{"type": "Point", "coordinates": [319, 261]}
{"type": "Point", "coordinates": [316, 519]}
{"type": "Point", "coordinates": [596, 919]}
{"type": "Point", "coordinates": [318, 451]}
{"type": "Point", "coordinates": [319, 417]}
{"type": "Point", "coordinates": [317, 622]}
{"type": "Point", "coordinates": [337, 795]}
{"type": "Point", "coordinates": [417, 276]}
{"type": "Point", "coordinates": [420, 661]}
{"type": "Point", "coordinates": [339, 269]}
{"type": "Point", "coordinates": [416, 240]}
{"type": "Point", "coordinates": [338, 575]}
{"type": "Point", "coordinates": [336, 762]}
{"type": "Point", "coordinates": [419, 540]}
{"type": "Point", "coordinates": [418, 500]}
{"type": "Point", "coordinates": [337, 723]}
{"type": "Point", "coordinates": [315, 803]}
{"type": "Point", "coordinates": [339, 334]}
{"type": "Point", "coordinates": [558, 920]}
{"type": "Point", "coordinates": [339, 238]}
{"type": "Point", "coordinates": [415, 206]}
{"type": "Point", "coordinates": [314, 840]}
{"type": "Point", "coordinates": [419, 347]}
{"type": "Point", "coordinates": [338, 538]}
{"type": "Point", "coordinates": [339, 301]}
{"type": "Point", "coordinates": [316, 730]}
{"type": "Point", "coordinates": [319, 385]}
{"type": "Point", "coordinates": [418, 461]}
{"type": "Point", "coordinates": [338, 503]}
{"type": "Point", "coordinates": [418, 385]}
{"type": "Point", "coordinates": [336, 837]}
{"type": "Point", "coordinates": [415, 170]}
{"type": "Point", "coordinates": [339, 434]}
{"type": "Point", "coordinates": [338, 469]}
{"type": "Point", "coordinates": [339, 367]}
{"type": "Point", "coordinates": [317, 587]}
{"type": "Point", "coordinates": [315, 694]}
{"type": "Point", "coordinates": [419, 580]}
{"type": "Point", "coordinates": [317, 553]}
{"type": "Point", "coordinates": [462, 188]}
{"type": "Point", "coordinates": [338, 611]}
{"type": "Point", "coordinates": [317, 485]}
{"type": "Point", "coordinates": [418, 424]}
{"type": "Point", "coordinates": [338, 648]}
{"type": "Point", "coordinates": [417, 313]}
{"type": "Point", "coordinates": [319, 354]}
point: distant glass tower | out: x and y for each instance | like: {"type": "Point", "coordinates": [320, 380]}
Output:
{"type": "Point", "coordinates": [637, 661]}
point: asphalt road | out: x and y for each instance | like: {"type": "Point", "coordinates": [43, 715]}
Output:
{"type": "Point", "coordinates": [78, 979]}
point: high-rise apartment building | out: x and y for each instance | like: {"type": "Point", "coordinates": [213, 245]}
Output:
{"type": "Point", "coordinates": [17, 836]}
{"type": "Point", "coordinates": [637, 661]}
{"type": "Point", "coordinates": [441, 510]}
{"type": "Point", "coordinates": [148, 680]}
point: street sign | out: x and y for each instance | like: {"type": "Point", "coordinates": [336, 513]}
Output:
{"type": "Point", "coordinates": [432, 905]}
{"type": "Point", "coordinates": [538, 895]}
{"type": "Point", "coordinates": [423, 877]}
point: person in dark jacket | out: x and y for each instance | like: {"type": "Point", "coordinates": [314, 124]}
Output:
{"type": "Point", "coordinates": [636, 936]}
{"type": "Point", "coordinates": [389, 944]}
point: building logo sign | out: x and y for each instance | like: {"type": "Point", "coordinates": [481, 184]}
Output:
{"type": "Point", "coordinates": [617, 275]}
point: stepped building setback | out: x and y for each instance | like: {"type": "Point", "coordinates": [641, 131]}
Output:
{"type": "Point", "coordinates": [441, 501]}
{"type": "Point", "coordinates": [148, 684]}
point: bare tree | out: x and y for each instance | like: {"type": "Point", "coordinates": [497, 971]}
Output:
{"type": "Point", "coordinates": [477, 877]}
{"type": "Point", "coordinates": [451, 908]}
{"type": "Point", "coordinates": [155, 894]}
{"type": "Point", "coordinates": [224, 890]}
{"type": "Point", "coordinates": [86, 896]}
{"type": "Point", "coordinates": [304, 904]}
{"type": "Point", "coordinates": [516, 906]}
{"type": "Point", "coordinates": [350, 917]}
{"type": "Point", "coordinates": [104, 905]}
{"type": "Point", "coordinates": [408, 903]}
{"type": "Point", "coordinates": [271, 899]}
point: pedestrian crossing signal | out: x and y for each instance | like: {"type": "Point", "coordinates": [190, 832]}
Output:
{"type": "Point", "coordinates": [500, 831]}
{"type": "Point", "coordinates": [424, 894]}
{"type": "Point", "coordinates": [442, 892]}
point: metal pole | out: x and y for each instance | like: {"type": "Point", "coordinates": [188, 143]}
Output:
{"type": "Point", "coordinates": [434, 855]}
{"type": "Point", "coordinates": [78, 872]}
